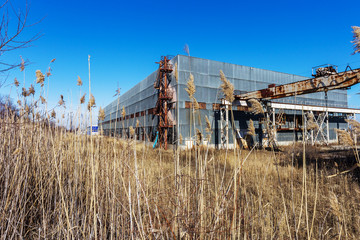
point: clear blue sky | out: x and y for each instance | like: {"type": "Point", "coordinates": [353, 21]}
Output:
{"type": "Point", "coordinates": [125, 38]}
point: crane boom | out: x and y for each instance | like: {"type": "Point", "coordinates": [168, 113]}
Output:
{"type": "Point", "coordinates": [318, 84]}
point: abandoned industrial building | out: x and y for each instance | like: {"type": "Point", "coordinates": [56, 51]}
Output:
{"type": "Point", "coordinates": [295, 107]}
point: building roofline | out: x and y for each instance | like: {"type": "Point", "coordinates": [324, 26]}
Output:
{"type": "Point", "coordinates": [242, 65]}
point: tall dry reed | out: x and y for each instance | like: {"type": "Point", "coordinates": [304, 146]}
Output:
{"type": "Point", "coordinates": [57, 184]}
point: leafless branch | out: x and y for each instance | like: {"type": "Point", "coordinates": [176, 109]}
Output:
{"type": "Point", "coordinates": [13, 23]}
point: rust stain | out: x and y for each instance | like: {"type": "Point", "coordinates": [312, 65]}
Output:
{"type": "Point", "coordinates": [216, 106]}
{"type": "Point", "coordinates": [265, 93]}
{"type": "Point", "coordinates": [243, 108]}
{"type": "Point", "coordinates": [202, 105]}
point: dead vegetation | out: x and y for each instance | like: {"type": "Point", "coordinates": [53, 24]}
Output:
{"type": "Point", "coordinates": [57, 184]}
{"type": "Point", "coordinates": [47, 177]}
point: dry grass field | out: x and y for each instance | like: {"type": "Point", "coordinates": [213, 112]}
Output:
{"type": "Point", "coordinates": [59, 184]}
{"type": "Point", "coordinates": [56, 184]}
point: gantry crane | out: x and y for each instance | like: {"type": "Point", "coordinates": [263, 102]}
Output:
{"type": "Point", "coordinates": [326, 79]}
{"type": "Point", "coordinates": [324, 83]}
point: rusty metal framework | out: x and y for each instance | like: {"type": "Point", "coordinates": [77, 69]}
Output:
{"type": "Point", "coordinates": [163, 102]}
{"type": "Point", "coordinates": [322, 83]}
{"type": "Point", "coordinates": [318, 84]}
{"type": "Point", "coordinates": [316, 128]}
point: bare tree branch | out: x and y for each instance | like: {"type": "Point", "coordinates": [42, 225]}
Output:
{"type": "Point", "coordinates": [11, 33]}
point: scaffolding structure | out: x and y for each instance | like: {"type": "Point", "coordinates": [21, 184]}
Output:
{"type": "Point", "coordinates": [163, 102]}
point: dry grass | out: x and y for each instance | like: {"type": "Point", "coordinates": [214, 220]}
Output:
{"type": "Point", "coordinates": [46, 178]}
{"type": "Point", "coordinates": [56, 184]}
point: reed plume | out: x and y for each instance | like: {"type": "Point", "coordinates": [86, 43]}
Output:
{"type": "Point", "coordinates": [53, 114]}
{"type": "Point", "coordinates": [190, 87]}
{"type": "Point", "coordinates": [27, 109]}
{"type": "Point", "coordinates": [22, 64]}
{"type": "Point", "coordinates": [61, 101]}
{"type": "Point", "coordinates": [91, 102]}
{"type": "Point", "coordinates": [123, 113]}
{"type": "Point", "coordinates": [251, 128]}
{"type": "Point", "coordinates": [356, 41]}
{"type": "Point", "coordinates": [354, 125]}
{"type": "Point", "coordinates": [40, 78]}
{"type": "Point", "coordinates": [208, 128]}
{"type": "Point", "coordinates": [82, 99]}
{"type": "Point", "coordinates": [344, 137]}
{"type": "Point", "coordinates": [16, 82]}
{"type": "Point", "coordinates": [208, 124]}
{"type": "Point", "coordinates": [79, 81]}
{"type": "Point", "coordinates": [227, 88]}
{"type": "Point", "coordinates": [101, 114]}
{"type": "Point", "coordinates": [131, 131]}
{"type": "Point", "coordinates": [196, 104]}
{"type": "Point", "coordinates": [48, 73]}
{"type": "Point", "coordinates": [42, 99]}
{"type": "Point", "coordinates": [256, 107]}
{"type": "Point", "coordinates": [24, 92]}
{"type": "Point", "coordinates": [176, 73]}
{"type": "Point", "coordinates": [31, 90]}
{"type": "Point", "coordinates": [311, 124]}
{"type": "Point", "coordinates": [180, 138]}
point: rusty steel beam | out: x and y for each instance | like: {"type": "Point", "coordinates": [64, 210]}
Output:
{"type": "Point", "coordinates": [318, 84]}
